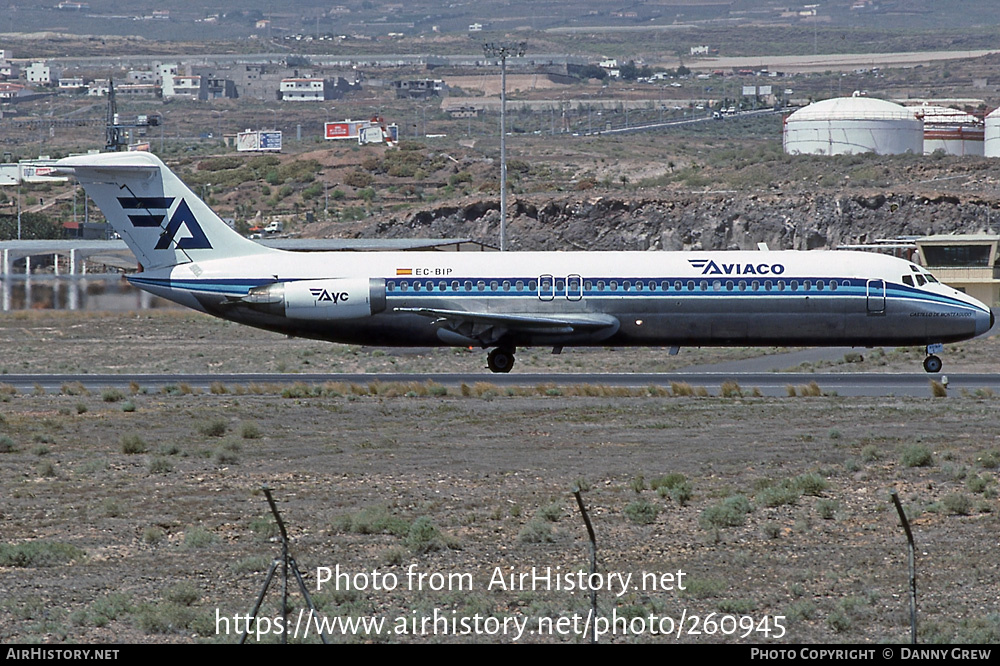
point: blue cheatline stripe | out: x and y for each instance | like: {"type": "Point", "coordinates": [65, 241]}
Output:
{"type": "Point", "coordinates": [241, 286]}
{"type": "Point", "coordinates": [145, 202]}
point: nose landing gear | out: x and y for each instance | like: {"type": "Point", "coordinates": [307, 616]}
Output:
{"type": "Point", "coordinates": [932, 363]}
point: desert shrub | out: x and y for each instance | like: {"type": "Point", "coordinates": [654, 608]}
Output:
{"type": "Point", "coordinates": [133, 443]}
{"type": "Point", "coordinates": [957, 504]}
{"type": "Point", "coordinates": [213, 428]}
{"type": "Point", "coordinates": [536, 531]}
{"type": "Point", "coordinates": [112, 395]}
{"type": "Point", "coordinates": [642, 512]}
{"type": "Point", "coordinates": [424, 536]}
{"type": "Point", "coordinates": [249, 430]}
{"type": "Point", "coordinates": [197, 536]}
{"type": "Point", "coordinates": [358, 179]}
{"type": "Point", "coordinates": [38, 554]}
{"type": "Point", "coordinates": [917, 455]}
{"type": "Point", "coordinates": [731, 512]}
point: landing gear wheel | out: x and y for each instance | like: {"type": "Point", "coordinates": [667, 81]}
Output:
{"type": "Point", "coordinates": [932, 364]}
{"type": "Point", "coordinates": [500, 360]}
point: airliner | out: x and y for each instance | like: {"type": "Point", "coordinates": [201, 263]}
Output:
{"type": "Point", "coordinates": [502, 301]}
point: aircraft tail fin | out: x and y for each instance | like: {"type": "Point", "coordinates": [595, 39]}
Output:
{"type": "Point", "coordinates": [160, 219]}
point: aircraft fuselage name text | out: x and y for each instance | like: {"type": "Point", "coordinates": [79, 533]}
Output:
{"type": "Point", "coordinates": [710, 267]}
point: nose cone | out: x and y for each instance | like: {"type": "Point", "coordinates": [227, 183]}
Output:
{"type": "Point", "coordinates": [984, 322]}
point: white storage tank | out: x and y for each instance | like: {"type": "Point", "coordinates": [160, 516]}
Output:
{"type": "Point", "coordinates": [857, 124]}
{"type": "Point", "coordinates": [953, 131]}
{"type": "Point", "coordinates": [991, 147]}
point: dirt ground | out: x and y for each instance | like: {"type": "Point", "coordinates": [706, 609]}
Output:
{"type": "Point", "coordinates": [137, 516]}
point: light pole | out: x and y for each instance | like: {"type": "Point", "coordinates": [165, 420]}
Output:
{"type": "Point", "coordinates": [502, 50]}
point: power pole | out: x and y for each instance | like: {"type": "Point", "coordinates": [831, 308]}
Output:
{"type": "Point", "coordinates": [502, 50]}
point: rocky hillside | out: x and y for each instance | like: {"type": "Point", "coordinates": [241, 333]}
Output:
{"type": "Point", "coordinates": [684, 221]}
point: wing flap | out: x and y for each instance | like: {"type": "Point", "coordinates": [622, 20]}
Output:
{"type": "Point", "coordinates": [523, 322]}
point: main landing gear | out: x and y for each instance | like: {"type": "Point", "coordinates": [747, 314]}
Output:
{"type": "Point", "coordinates": [501, 359]}
{"type": "Point", "coordinates": [932, 363]}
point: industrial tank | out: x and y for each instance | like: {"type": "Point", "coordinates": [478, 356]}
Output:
{"type": "Point", "coordinates": [952, 131]}
{"type": "Point", "coordinates": [857, 124]}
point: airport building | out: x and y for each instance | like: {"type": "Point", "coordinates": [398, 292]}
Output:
{"type": "Point", "coordinates": [966, 262]}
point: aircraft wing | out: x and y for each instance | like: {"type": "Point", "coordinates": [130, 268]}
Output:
{"type": "Point", "coordinates": [487, 326]}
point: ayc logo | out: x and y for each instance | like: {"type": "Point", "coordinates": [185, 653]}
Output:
{"type": "Point", "coordinates": [150, 212]}
{"type": "Point", "coordinates": [322, 295]}
{"type": "Point", "coordinates": [709, 267]}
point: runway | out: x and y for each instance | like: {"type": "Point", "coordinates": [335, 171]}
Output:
{"type": "Point", "coordinates": [768, 383]}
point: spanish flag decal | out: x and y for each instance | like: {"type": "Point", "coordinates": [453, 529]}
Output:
{"type": "Point", "coordinates": [404, 271]}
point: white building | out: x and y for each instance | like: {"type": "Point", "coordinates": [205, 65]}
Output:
{"type": "Point", "coordinates": [188, 87]}
{"type": "Point", "coordinates": [847, 125]}
{"type": "Point", "coordinates": [39, 73]}
{"type": "Point", "coordinates": [302, 90]}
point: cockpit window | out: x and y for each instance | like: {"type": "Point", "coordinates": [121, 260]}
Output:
{"type": "Point", "coordinates": [930, 278]}
{"type": "Point", "coordinates": [914, 268]}
{"type": "Point", "coordinates": [908, 280]}
{"type": "Point", "coordinates": [920, 280]}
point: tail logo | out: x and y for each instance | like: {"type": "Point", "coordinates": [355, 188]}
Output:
{"type": "Point", "coordinates": [149, 215]}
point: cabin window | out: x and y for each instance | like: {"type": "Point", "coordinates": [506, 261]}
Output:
{"type": "Point", "coordinates": [755, 285]}
{"type": "Point", "coordinates": [820, 284]}
{"type": "Point", "coordinates": [481, 285]}
{"type": "Point", "coordinates": [416, 286]}
{"type": "Point", "coordinates": [468, 285]}
{"type": "Point", "coordinates": [626, 285]}
{"type": "Point", "coordinates": [519, 285]}
{"type": "Point", "coordinates": [743, 285]}
{"type": "Point", "coordinates": [404, 285]}
{"type": "Point", "coordinates": [390, 286]}
{"type": "Point", "coordinates": [807, 285]}
{"type": "Point", "coordinates": [454, 285]}
{"type": "Point", "coordinates": [767, 285]}
{"type": "Point", "coordinates": [704, 285]}
{"type": "Point", "coordinates": [794, 285]}
{"type": "Point", "coordinates": [506, 285]}
{"type": "Point", "coordinates": [638, 286]}
{"type": "Point", "coordinates": [560, 285]}
{"type": "Point", "coordinates": [833, 285]}
{"type": "Point", "coordinates": [613, 285]}
{"type": "Point", "coordinates": [690, 285]}
{"type": "Point", "coordinates": [781, 285]}
{"type": "Point", "coordinates": [600, 285]}
{"type": "Point", "coordinates": [677, 285]}
{"type": "Point", "coordinates": [717, 285]}
{"type": "Point", "coordinates": [532, 285]}
{"type": "Point", "coordinates": [729, 285]}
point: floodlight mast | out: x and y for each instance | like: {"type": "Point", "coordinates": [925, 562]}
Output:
{"type": "Point", "coordinates": [502, 50]}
